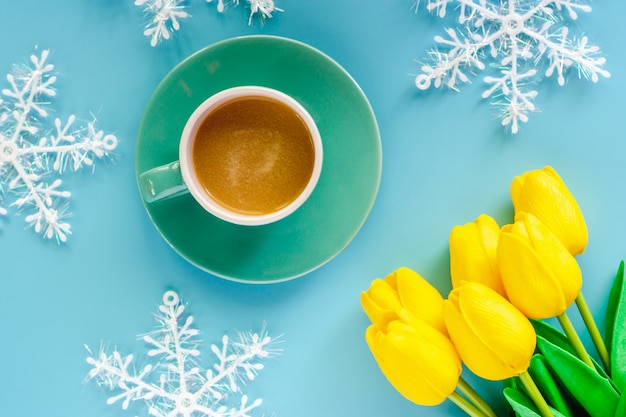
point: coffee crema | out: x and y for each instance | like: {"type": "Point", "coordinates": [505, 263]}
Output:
{"type": "Point", "coordinates": [253, 155]}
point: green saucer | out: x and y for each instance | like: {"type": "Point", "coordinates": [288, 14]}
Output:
{"type": "Point", "coordinates": [345, 193]}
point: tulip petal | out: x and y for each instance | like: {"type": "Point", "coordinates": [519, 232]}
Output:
{"type": "Point", "coordinates": [529, 282]}
{"type": "Point", "coordinates": [473, 253]}
{"type": "Point", "coordinates": [498, 324]}
{"type": "Point", "coordinates": [568, 215]}
{"type": "Point", "coordinates": [489, 235]}
{"type": "Point", "coordinates": [379, 298]}
{"type": "Point", "coordinates": [420, 363]}
{"type": "Point", "coordinates": [384, 294]}
{"type": "Point", "coordinates": [552, 250]}
{"type": "Point", "coordinates": [372, 309]}
{"type": "Point", "coordinates": [544, 194]}
{"type": "Point", "coordinates": [467, 260]}
{"type": "Point", "coordinates": [476, 356]}
{"type": "Point", "coordinates": [420, 298]}
{"type": "Point", "coordinates": [517, 187]}
{"type": "Point", "coordinates": [433, 351]}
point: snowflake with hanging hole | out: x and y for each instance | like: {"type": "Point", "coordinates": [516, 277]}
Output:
{"type": "Point", "coordinates": [525, 38]}
{"type": "Point", "coordinates": [164, 15]}
{"type": "Point", "coordinates": [175, 384]}
{"type": "Point", "coordinates": [32, 153]}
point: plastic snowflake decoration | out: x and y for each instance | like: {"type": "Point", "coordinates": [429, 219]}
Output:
{"type": "Point", "coordinates": [519, 35]}
{"type": "Point", "coordinates": [164, 15]}
{"type": "Point", "coordinates": [175, 385]}
{"type": "Point", "coordinates": [30, 152]}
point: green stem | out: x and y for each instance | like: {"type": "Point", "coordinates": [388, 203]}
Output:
{"type": "Point", "coordinates": [592, 328]}
{"type": "Point", "coordinates": [577, 344]}
{"type": "Point", "coordinates": [535, 394]}
{"type": "Point", "coordinates": [475, 398]}
{"type": "Point", "coordinates": [465, 405]}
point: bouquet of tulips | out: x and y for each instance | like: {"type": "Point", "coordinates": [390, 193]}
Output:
{"type": "Point", "coordinates": [505, 282]}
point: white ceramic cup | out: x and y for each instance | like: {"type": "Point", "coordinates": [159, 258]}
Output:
{"type": "Point", "coordinates": [179, 177]}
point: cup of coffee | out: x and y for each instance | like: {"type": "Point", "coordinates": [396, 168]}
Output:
{"type": "Point", "coordinates": [248, 155]}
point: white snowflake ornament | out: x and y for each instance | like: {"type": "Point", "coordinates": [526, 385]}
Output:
{"type": "Point", "coordinates": [262, 8]}
{"type": "Point", "coordinates": [30, 153]}
{"type": "Point", "coordinates": [164, 18]}
{"type": "Point", "coordinates": [175, 385]}
{"type": "Point", "coordinates": [521, 36]}
{"type": "Point", "coordinates": [164, 15]}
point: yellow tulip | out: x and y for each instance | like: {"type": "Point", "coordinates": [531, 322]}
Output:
{"type": "Point", "coordinates": [473, 248]}
{"type": "Point", "coordinates": [418, 360]}
{"type": "Point", "coordinates": [407, 294]}
{"type": "Point", "coordinates": [493, 338]}
{"type": "Point", "coordinates": [543, 193]}
{"type": "Point", "coordinates": [540, 275]}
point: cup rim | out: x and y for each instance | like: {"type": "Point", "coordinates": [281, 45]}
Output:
{"type": "Point", "coordinates": [191, 180]}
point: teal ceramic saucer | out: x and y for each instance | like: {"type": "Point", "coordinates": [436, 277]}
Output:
{"type": "Point", "coordinates": [345, 193]}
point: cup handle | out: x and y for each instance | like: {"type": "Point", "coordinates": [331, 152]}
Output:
{"type": "Point", "coordinates": [162, 182]}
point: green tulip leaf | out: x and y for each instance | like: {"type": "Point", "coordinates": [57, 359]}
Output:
{"type": "Point", "coordinates": [593, 391]}
{"type": "Point", "coordinates": [553, 335]}
{"type": "Point", "coordinates": [557, 338]}
{"type": "Point", "coordinates": [546, 383]}
{"type": "Point", "coordinates": [621, 406]}
{"type": "Point", "coordinates": [515, 384]}
{"type": "Point", "coordinates": [615, 297]}
{"type": "Point", "coordinates": [616, 330]}
{"type": "Point", "coordinates": [522, 405]}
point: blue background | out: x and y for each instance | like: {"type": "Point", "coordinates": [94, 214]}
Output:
{"type": "Point", "coordinates": [445, 160]}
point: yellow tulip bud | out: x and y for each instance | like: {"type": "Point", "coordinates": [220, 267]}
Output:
{"type": "Point", "coordinates": [407, 294]}
{"type": "Point", "coordinates": [493, 338]}
{"type": "Point", "coordinates": [418, 360]}
{"type": "Point", "coordinates": [543, 193]}
{"type": "Point", "coordinates": [473, 248]}
{"type": "Point", "coordinates": [540, 275]}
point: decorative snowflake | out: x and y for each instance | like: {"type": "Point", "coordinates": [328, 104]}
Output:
{"type": "Point", "coordinates": [164, 15]}
{"type": "Point", "coordinates": [519, 35]}
{"type": "Point", "coordinates": [30, 151]}
{"type": "Point", "coordinates": [175, 385]}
